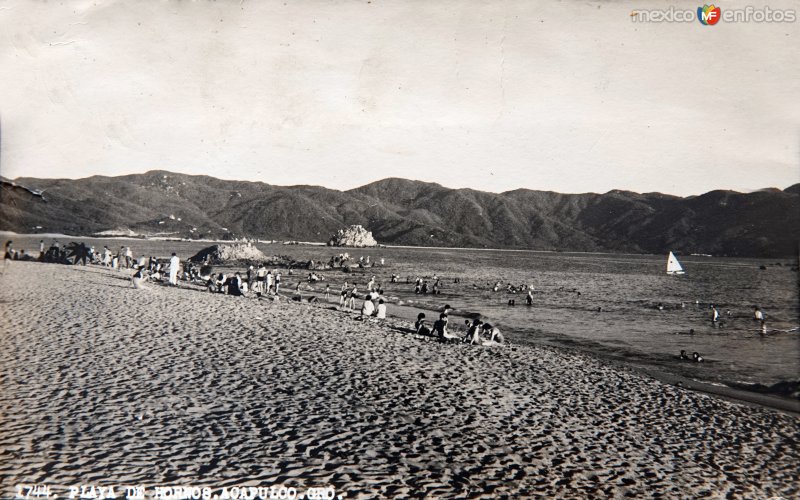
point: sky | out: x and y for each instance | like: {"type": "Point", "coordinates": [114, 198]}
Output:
{"type": "Point", "coordinates": [563, 96]}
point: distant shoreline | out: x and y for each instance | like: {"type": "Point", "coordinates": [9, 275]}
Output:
{"type": "Point", "coordinates": [412, 247]}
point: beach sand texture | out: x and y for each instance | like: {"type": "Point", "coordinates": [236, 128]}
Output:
{"type": "Point", "coordinates": [101, 383]}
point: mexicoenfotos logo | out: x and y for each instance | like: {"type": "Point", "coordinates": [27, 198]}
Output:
{"type": "Point", "coordinates": [708, 14]}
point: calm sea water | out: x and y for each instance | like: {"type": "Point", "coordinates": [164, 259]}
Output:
{"type": "Point", "coordinates": [571, 287]}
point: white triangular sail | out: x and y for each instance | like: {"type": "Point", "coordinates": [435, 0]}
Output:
{"type": "Point", "coordinates": [673, 266]}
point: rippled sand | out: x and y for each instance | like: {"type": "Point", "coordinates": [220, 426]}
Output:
{"type": "Point", "coordinates": [104, 384]}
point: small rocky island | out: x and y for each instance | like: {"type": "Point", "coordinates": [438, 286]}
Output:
{"type": "Point", "coordinates": [353, 236]}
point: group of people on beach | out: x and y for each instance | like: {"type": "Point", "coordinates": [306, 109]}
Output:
{"type": "Point", "coordinates": [263, 282]}
{"type": "Point", "coordinates": [476, 333]}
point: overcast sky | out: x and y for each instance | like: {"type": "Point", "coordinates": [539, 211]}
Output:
{"type": "Point", "coordinates": [563, 96]}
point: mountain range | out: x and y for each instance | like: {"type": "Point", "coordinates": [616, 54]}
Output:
{"type": "Point", "coordinates": [404, 212]}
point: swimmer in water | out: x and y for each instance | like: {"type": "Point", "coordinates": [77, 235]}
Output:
{"type": "Point", "coordinates": [757, 314]}
{"type": "Point", "coordinates": [714, 314]}
{"type": "Point", "coordinates": [684, 356]}
{"type": "Point", "coordinates": [763, 330]}
{"type": "Point", "coordinates": [697, 358]}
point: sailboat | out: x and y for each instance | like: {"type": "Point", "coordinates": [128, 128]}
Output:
{"type": "Point", "coordinates": [673, 266]}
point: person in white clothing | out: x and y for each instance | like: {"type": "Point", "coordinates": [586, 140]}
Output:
{"type": "Point", "coordinates": [367, 308]}
{"type": "Point", "coordinates": [381, 312]}
{"type": "Point", "coordinates": [174, 265]}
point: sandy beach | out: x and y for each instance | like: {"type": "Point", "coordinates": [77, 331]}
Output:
{"type": "Point", "coordinates": [107, 385]}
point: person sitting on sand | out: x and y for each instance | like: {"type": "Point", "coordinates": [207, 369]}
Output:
{"type": "Point", "coordinates": [235, 285]}
{"type": "Point", "coordinates": [420, 326]}
{"type": "Point", "coordinates": [221, 283]}
{"type": "Point", "coordinates": [440, 326]}
{"type": "Point", "coordinates": [367, 308]}
{"type": "Point", "coordinates": [380, 313]}
{"type": "Point", "coordinates": [493, 333]}
{"type": "Point", "coordinates": [697, 358]}
{"type": "Point", "coordinates": [473, 335]}
{"type": "Point", "coordinates": [138, 279]}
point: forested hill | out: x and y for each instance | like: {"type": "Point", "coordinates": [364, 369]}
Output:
{"type": "Point", "coordinates": [404, 212]}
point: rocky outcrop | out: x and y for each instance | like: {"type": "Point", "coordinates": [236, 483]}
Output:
{"type": "Point", "coordinates": [220, 254]}
{"type": "Point", "coordinates": [353, 236]}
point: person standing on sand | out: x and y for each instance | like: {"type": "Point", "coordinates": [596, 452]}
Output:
{"type": "Point", "coordinates": [174, 264]}
{"type": "Point", "coordinates": [128, 257]}
{"type": "Point", "coordinates": [250, 277]}
{"type": "Point", "coordinates": [8, 255]}
{"type": "Point", "coordinates": [261, 278]}
{"type": "Point", "coordinates": [343, 295]}
{"type": "Point", "coordinates": [351, 298]}
{"type": "Point", "coordinates": [277, 283]}
{"type": "Point", "coordinates": [268, 281]}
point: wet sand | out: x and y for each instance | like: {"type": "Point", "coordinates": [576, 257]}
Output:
{"type": "Point", "coordinates": [104, 384]}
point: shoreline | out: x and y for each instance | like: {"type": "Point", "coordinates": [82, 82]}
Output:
{"type": "Point", "coordinates": [773, 402]}
{"type": "Point", "coordinates": [290, 242]}
{"type": "Point", "coordinates": [102, 383]}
